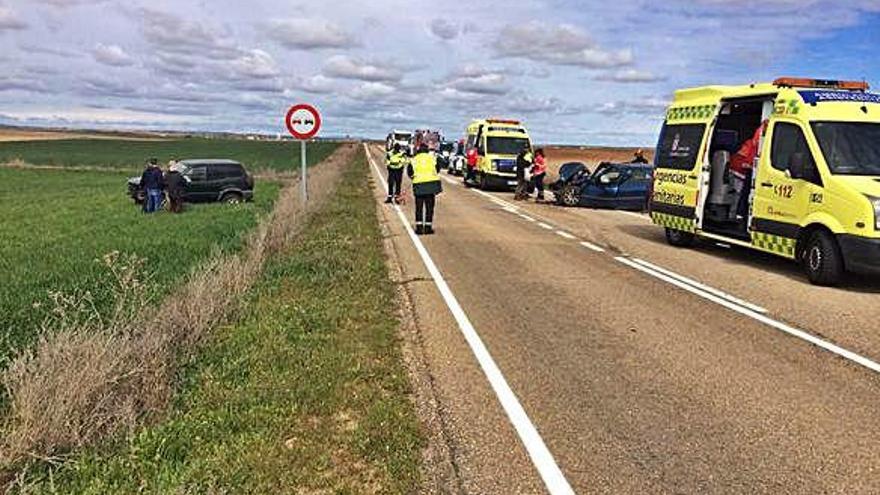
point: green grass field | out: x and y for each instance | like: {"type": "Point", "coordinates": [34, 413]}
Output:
{"type": "Point", "coordinates": [131, 155]}
{"type": "Point", "coordinates": [306, 393]}
{"type": "Point", "coordinates": [56, 224]}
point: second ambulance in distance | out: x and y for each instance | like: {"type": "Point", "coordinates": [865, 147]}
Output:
{"type": "Point", "coordinates": [814, 193]}
{"type": "Point", "coordinates": [498, 142]}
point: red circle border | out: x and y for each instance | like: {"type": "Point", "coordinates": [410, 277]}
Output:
{"type": "Point", "coordinates": [310, 109]}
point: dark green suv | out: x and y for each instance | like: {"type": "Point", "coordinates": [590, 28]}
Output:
{"type": "Point", "coordinates": [207, 181]}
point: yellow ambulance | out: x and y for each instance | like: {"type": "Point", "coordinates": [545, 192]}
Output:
{"type": "Point", "coordinates": [811, 192]}
{"type": "Point", "coordinates": [498, 142]}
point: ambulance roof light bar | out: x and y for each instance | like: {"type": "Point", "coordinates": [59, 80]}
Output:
{"type": "Point", "coordinates": [503, 121]}
{"type": "Point", "coordinates": [804, 82]}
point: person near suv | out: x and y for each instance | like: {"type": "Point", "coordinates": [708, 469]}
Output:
{"type": "Point", "coordinates": [175, 186]}
{"type": "Point", "coordinates": [153, 182]}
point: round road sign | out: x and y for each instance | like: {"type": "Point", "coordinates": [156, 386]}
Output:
{"type": "Point", "coordinates": [303, 121]}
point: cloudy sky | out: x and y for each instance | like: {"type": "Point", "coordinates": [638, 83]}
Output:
{"type": "Point", "coordinates": [586, 72]}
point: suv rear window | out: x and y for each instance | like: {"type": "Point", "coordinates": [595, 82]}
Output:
{"type": "Point", "coordinates": [679, 146]}
{"type": "Point", "coordinates": [224, 171]}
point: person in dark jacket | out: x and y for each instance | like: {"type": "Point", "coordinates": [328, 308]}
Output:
{"type": "Point", "coordinates": [152, 184]}
{"type": "Point", "coordinates": [523, 162]}
{"type": "Point", "coordinates": [424, 171]}
{"type": "Point", "coordinates": [175, 185]}
{"type": "Point", "coordinates": [639, 157]}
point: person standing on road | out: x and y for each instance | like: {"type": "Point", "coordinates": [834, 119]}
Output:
{"type": "Point", "coordinates": [472, 157]}
{"type": "Point", "coordinates": [396, 160]}
{"type": "Point", "coordinates": [523, 162]}
{"type": "Point", "coordinates": [424, 172]}
{"type": "Point", "coordinates": [174, 186]}
{"type": "Point", "coordinates": [539, 172]}
{"type": "Point", "coordinates": [151, 182]}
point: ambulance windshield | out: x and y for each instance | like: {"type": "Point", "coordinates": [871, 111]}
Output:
{"type": "Point", "coordinates": [506, 146]}
{"type": "Point", "coordinates": [850, 148]}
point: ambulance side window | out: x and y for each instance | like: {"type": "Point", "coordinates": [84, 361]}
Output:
{"type": "Point", "coordinates": [679, 146]}
{"type": "Point", "coordinates": [789, 140]}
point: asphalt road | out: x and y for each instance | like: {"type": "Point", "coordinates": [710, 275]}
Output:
{"type": "Point", "coordinates": [638, 381]}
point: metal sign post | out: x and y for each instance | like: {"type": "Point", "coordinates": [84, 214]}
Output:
{"type": "Point", "coordinates": [303, 122]}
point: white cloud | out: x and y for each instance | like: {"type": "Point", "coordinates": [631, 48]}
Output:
{"type": "Point", "coordinates": [630, 76]}
{"type": "Point", "coordinates": [373, 90]}
{"type": "Point", "coordinates": [318, 84]}
{"type": "Point", "coordinates": [255, 64]}
{"type": "Point", "coordinates": [345, 67]}
{"type": "Point", "coordinates": [557, 45]}
{"type": "Point", "coordinates": [112, 55]}
{"type": "Point", "coordinates": [477, 79]}
{"type": "Point", "coordinates": [310, 34]}
{"type": "Point", "coordinates": [9, 20]}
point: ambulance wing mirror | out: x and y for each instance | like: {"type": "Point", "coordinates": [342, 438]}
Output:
{"type": "Point", "coordinates": [797, 166]}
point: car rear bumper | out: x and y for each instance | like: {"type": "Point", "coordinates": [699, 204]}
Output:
{"type": "Point", "coordinates": [860, 254]}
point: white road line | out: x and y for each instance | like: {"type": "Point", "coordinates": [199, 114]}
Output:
{"type": "Point", "coordinates": [794, 332]}
{"type": "Point", "coordinates": [545, 226]}
{"type": "Point", "coordinates": [562, 233]}
{"type": "Point", "coordinates": [699, 285]}
{"type": "Point", "coordinates": [591, 246]}
{"type": "Point", "coordinates": [541, 457]}
{"type": "Point", "coordinates": [526, 217]}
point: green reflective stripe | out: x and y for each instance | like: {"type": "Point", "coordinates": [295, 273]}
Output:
{"type": "Point", "coordinates": [674, 222]}
{"type": "Point", "coordinates": [699, 112]}
{"type": "Point", "coordinates": [774, 244]}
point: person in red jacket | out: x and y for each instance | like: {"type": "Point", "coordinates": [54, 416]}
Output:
{"type": "Point", "coordinates": [741, 166]}
{"type": "Point", "coordinates": [539, 171]}
{"type": "Point", "coordinates": [472, 157]}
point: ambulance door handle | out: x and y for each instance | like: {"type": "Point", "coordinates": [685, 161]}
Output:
{"type": "Point", "coordinates": [766, 184]}
{"type": "Point", "coordinates": [692, 177]}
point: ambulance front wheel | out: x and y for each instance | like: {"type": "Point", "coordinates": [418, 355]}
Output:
{"type": "Point", "coordinates": [822, 259]}
{"type": "Point", "coordinates": [679, 238]}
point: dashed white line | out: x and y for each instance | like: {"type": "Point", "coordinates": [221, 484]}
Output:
{"type": "Point", "coordinates": [593, 247]}
{"type": "Point", "coordinates": [541, 457]}
{"type": "Point", "coordinates": [545, 226]}
{"type": "Point", "coordinates": [699, 285]}
{"type": "Point", "coordinates": [566, 235]}
{"type": "Point", "coordinates": [745, 311]}
{"type": "Point", "coordinates": [526, 217]}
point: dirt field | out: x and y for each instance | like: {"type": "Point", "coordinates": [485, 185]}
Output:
{"type": "Point", "coordinates": [557, 155]}
{"type": "Point", "coordinates": [7, 135]}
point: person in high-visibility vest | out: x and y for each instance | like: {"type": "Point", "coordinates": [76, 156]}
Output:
{"type": "Point", "coordinates": [424, 172]}
{"type": "Point", "coordinates": [396, 160]}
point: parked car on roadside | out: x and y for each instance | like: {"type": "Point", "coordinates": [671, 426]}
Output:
{"type": "Point", "coordinates": [622, 186]}
{"type": "Point", "coordinates": [207, 181]}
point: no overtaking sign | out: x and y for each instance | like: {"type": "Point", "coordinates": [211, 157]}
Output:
{"type": "Point", "coordinates": [303, 122]}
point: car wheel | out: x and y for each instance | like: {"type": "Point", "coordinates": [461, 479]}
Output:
{"type": "Point", "coordinates": [570, 196]}
{"type": "Point", "coordinates": [822, 260]}
{"type": "Point", "coordinates": [231, 198]}
{"type": "Point", "coordinates": [484, 183]}
{"type": "Point", "coordinates": [679, 238]}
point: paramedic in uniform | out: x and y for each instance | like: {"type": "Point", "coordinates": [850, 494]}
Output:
{"type": "Point", "coordinates": [423, 170]}
{"type": "Point", "coordinates": [396, 160]}
{"type": "Point", "coordinates": [741, 166]}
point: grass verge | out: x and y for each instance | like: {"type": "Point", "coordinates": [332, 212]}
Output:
{"type": "Point", "coordinates": [130, 155]}
{"type": "Point", "coordinates": [307, 393]}
{"type": "Point", "coordinates": [56, 224]}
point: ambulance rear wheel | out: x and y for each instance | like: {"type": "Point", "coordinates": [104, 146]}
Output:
{"type": "Point", "coordinates": [679, 238]}
{"type": "Point", "coordinates": [822, 259]}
